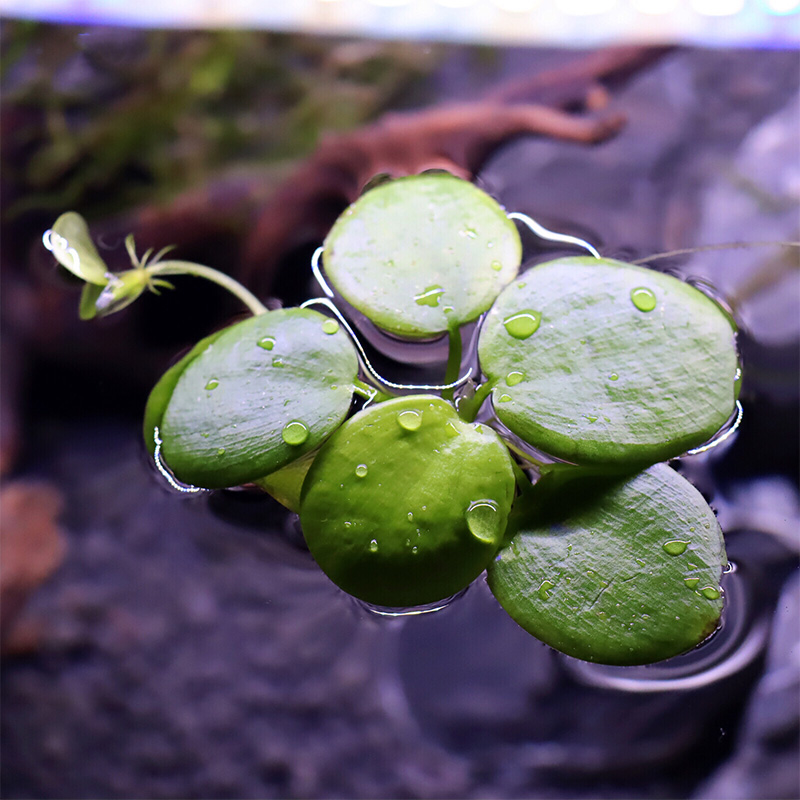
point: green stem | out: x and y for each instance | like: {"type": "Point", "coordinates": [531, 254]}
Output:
{"type": "Point", "coordinates": [468, 407]}
{"type": "Point", "coordinates": [453, 362]}
{"type": "Point", "coordinates": [213, 275]}
{"type": "Point", "coordinates": [368, 392]}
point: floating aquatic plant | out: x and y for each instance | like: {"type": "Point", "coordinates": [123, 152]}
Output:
{"type": "Point", "coordinates": [545, 468]}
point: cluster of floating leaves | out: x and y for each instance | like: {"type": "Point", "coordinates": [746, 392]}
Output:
{"type": "Point", "coordinates": [407, 501]}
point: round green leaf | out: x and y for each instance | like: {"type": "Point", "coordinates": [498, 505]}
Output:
{"type": "Point", "coordinates": [71, 244]}
{"type": "Point", "coordinates": [263, 393]}
{"type": "Point", "coordinates": [422, 255]}
{"type": "Point", "coordinates": [616, 570]}
{"type": "Point", "coordinates": [161, 393]}
{"type": "Point", "coordinates": [406, 503]}
{"type": "Point", "coordinates": [601, 362]}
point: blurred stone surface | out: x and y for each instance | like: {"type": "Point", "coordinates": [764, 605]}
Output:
{"type": "Point", "coordinates": [32, 547]}
{"type": "Point", "coordinates": [764, 763]}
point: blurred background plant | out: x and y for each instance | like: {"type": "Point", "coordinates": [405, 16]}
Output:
{"type": "Point", "coordinates": [130, 115]}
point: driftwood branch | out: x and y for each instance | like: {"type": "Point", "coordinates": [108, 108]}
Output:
{"type": "Point", "coordinates": [457, 138]}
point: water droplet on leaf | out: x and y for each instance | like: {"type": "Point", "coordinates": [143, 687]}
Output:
{"type": "Point", "coordinates": [496, 266]}
{"type": "Point", "coordinates": [513, 378]}
{"type": "Point", "coordinates": [294, 433]}
{"type": "Point", "coordinates": [409, 420]}
{"type": "Point", "coordinates": [643, 298]}
{"type": "Point", "coordinates": [711, 592]}
{"type": "Point", "coordinates": [212, 384]}
{"type": "Point", "coordinates": [483, 520]}
{"type": "Point", "coordinates": [330, 326]}
{"type": "Point", "coordinates": [430, 297]}
{"type": "Point", "coordinates": [266, 343]}
{"type": "Point", "coordinates": [544, 589]}
{"type": "Point", "coordinates": [361, 471]}
{"type": "Point", "coordinates": [373, 546]}
{"type": "Point", "coordinates": [675, 547]}
{"type": "Point", "coordinates": [523, 324]}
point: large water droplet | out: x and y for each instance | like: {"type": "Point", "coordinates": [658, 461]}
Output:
{"type": "Point", "coordinates": [643, 298]}
{"type": "Point", "coordinates": [513, 378]}
{"type": "Point", "coordinates": [523, 324]}
{"type": "Point", "coordinates": [409, 420]}
{"type": "Point", "coordinates": [613, 376]}
{"type": "Point", "coordinates": [675, 547]}
{"type": "Point", "coordinates": [496, 266]}
{"type": "Point", "coordinates": [278, 362]}
{"type": "Point", "coordinates": [294, 432]}
{"type": "Point", "coordinates": [484, 521]}
{"type": "Point", "coordinates": [373, 546]}
{"type": "Point", "coordinates": [361, 471]}
{"type": "Point", "coordinates": [710, 592]}
{"type": "Point", "coordinates": [212, 384]}
{"type": "Point", "coordinates": [691, 582]}
{"type": "Point", "coordinates": [504, 398]}
{"type": "Point", "coordinates": [330, 326]}
{"type": "Point", "coordinates": [430, 297]}
{"type": "Point", "coordinates": [266, 343]}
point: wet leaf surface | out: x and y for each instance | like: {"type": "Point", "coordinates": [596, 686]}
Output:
{"type": "Point", "coordinates": [262, 394]}
{"type": "Point", "coordinates": [601, 362]}
{"type": "Point", "coordinates": [616, 570]}
{"type": "Point", "coordinates": [406, 504]}
{"type": "Point", "coordinates": [422, 255]}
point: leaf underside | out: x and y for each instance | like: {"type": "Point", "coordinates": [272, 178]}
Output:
{"type": "Point", "coordinates": [84, 260]}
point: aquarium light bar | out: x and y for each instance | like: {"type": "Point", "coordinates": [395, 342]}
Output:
{"type": "Point", "coordinates": [578, 23]}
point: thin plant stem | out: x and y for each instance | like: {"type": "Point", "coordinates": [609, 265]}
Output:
{"type": "Point", "coordinates": [468, 407]}
{"type": "Point", "coordinates": [213, 275]}
{"type": "Point", "coordinates": [453, 362]}
{"type": "Point", "coordinates": [709, 247]}
{"type": "Point", "coordinates": [370, 393]}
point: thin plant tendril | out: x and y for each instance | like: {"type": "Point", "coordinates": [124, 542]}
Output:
{"type": "Point", "coordinates": [708, 247]}
{"type": "Point", "coordinates": [323, 301]}
{"type": "Point", "coordinates": [552, 236]}
{"type": "Point", "coordinates": [318, 273]}
{"type": "Point", "coordinates": [186, 488]}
